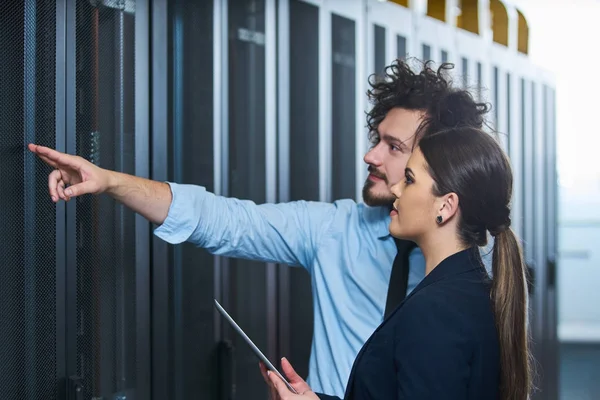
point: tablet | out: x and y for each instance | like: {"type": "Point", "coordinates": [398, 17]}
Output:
{"type": "Point", "coordinates": [255, 349]}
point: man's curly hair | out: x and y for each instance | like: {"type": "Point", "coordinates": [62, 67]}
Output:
{"type": "Point", "coordinates": [430, 91]}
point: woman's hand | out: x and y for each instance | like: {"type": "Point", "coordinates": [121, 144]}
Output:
{"type": "Point", "coordinates": [279, 390]}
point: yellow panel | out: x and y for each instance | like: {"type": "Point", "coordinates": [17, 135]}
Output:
{"type": "Point", "coordinates": [469, 16]}
{"type": "Point", "coordinates": [499, 22]}
{"type": "Point", "coordinates": [403, 3]}
{"type": "Point", "coordinates": [523, 44]}
{"type": "Point", "coordinates": [437, 9]}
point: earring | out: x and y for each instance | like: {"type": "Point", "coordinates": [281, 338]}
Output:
{"type": "Point", "coordinates": [439, 219]}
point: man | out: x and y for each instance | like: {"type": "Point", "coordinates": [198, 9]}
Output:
{"type": "Point", "coordinates": [345, 246]}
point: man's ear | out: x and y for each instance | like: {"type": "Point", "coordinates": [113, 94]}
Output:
{"type": "Point", "coordinates": [447, 207]}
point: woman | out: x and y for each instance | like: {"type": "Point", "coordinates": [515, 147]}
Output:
{"type": "Point", "coordinates": [459, 334]}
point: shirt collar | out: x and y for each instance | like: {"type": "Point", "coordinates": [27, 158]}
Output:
{"type": "Point", "coordinates": [380, 219]}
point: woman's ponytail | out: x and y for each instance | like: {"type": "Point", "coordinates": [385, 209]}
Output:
{"type": "Point", "coordinates": [509, 296]}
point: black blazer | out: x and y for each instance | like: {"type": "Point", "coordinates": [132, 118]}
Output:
{"type": "Point", "coordinates": [440, 343]}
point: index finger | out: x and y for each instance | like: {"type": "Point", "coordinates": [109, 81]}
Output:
{"type": "Point", "coordinates": [61, 159]}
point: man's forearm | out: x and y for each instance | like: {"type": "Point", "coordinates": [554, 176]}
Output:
{"type": "Point", "coordinates": [150, 199]}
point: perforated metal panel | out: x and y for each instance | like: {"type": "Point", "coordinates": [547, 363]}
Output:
{"type": "Point", "coordinates": [105, 231]}
{"type": "Point", "coordinates": [28, 359]}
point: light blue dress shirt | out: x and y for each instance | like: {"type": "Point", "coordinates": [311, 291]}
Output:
{"type": "Point", "coordinates": [346, 247]}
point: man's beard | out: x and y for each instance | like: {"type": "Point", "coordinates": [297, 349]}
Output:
{"type": "Point", "coordinates": [372, 199]}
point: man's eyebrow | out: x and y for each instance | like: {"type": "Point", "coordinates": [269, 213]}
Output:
{"type": "Point", "coordinates": [392, 139]}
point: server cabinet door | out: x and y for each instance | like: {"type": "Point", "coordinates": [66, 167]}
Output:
{"type": "Point", "coordinates": [101, 238]}
{"type": "Point", "coordinates": [344, 79]}
{"type": "Point", "coordinates": [299, 135]}
{"type": "Point", "coordinates": [192, 362]}
{"type": "Point", "coordinates": [249, 287]}
{"type": "Point", "coordinates": [551, 230]}
{"type": "Point", "coordinates": [321, 136]}
{"type": "Point", "coordinates": [32, 267]}
{"type": "Point", "coordinates": [547, 220]}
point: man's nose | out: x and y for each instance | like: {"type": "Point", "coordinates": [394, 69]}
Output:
{"type": "Point", "coordinates": [373, 156]}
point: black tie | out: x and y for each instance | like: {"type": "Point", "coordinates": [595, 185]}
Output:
{"type": "Point", "coordinates": [399, 276]}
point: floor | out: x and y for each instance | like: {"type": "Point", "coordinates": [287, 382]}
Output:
{"type": "Point", "coordinates": [580, 371]}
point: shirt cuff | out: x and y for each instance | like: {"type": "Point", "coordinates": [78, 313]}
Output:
{"type": "Point", "coordinates": [183, 216]}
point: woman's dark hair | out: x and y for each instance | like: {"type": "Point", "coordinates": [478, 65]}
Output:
{"type": "Point", "coordinates": [470, 163]}
{"type": "Point", "coordinates": [429, 90]}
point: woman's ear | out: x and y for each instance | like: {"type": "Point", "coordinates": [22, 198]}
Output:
{"type": "Point", "coordinates": [447, 207]}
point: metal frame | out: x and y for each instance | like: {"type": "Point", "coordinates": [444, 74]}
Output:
{"type": "Point", "coordinates": [539, 184]}
{"type": "Point", "coordinates": [551, 233]}
{"type": "Point", "coordinates": [222, 269]}
{"type": "Point", "coordinates": [220, 99]}
{"type": "Point", "coordinates": [508, 107]}
{"type": "Point", "coordinates": [142, 226]}
{"type": "Point", "coordinates": [71, 209]}
{"type": "Point", "coordinates": [177, 142]}
{"type": "Point", "coordinates": [551, 217]}
{"type": "Point", "coordinates": [159, 172]}
{"type": "Point", "coordinates": [500, 60]}
{"type": "Point", "coordinates": [271, 162]}
{"type": "Point", "coordinates": [537, 222]}
{"type": "Point", "coordinates": [525, 170]}
{"type": "Point", "coordinates": [515, 150]}
{"type": "Point", "coordinates": [283, 99]}
{"type": "Point", "coordinates": [325, 104]}
{"type": "Point", "coordinates": [29, 129]}
{"type": "Point", "coordinates": [355, 11]}
{"type": "Point", "coordinates": [61, 270]}
{"type": "Point", "coordinates": [535, 253]}
{"type": "Point", "coordinates": [283, 162]}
